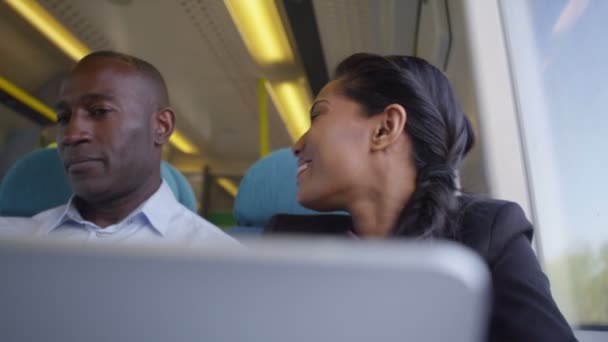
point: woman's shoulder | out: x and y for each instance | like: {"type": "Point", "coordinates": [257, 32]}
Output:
{"type": "Point", "coordinates": [488, 225]}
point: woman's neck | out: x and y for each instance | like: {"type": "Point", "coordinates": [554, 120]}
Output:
{"type": "Point", "coordinates": [376, 207]}
{"type": "Point", "coordinates": [375, 214]}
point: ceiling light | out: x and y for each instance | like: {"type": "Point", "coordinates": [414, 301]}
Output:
{"type": "Point", "coordinates": [27, 99]}
{"type": "Point", "coordinates": [181, 143]}
{"type": "Point", "coordinates": [293, 102]}
{"type": "Point", "coordinates": [260, 25]}
{"type": "Point", "coordinates": [228, 185]}
{"type": "Point", "coordinates": [262, 30]}
{"type": "Point", "coordinates": [49, 27]}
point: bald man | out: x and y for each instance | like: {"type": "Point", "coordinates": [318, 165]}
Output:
{"type": "Point", "coordinates": [113, 120]}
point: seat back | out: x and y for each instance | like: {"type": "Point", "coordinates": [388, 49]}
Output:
{"type": "Point", "coordinates": [272, 291]}
{"type": "Point", "coordinates": [179, 185]}
{"type": "Point", "coordinates": [267, 189]}
{"type": "Point", "coordinates": [37, 182]}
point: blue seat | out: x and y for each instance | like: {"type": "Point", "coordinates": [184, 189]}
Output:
{"type": "Point", "coordinates": [37, 182]}
{"type": "Point", "coordinates": [268, 188]}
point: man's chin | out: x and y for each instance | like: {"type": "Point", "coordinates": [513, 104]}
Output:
{"type": "Point", "coordinates": [89, 191]}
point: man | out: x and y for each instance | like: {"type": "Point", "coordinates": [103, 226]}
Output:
{"type": "Point", "coordinates": [113, 119]}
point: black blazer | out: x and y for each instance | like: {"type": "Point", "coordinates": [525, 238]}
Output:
{"type": "Point", "coordinates": [522, 308]}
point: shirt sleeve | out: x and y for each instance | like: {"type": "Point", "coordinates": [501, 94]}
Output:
{"type": "Point", "coordinates": [523, 308]}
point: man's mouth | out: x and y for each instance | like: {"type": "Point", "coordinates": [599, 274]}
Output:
{"type": "Point", "coordinates": [81, 164]}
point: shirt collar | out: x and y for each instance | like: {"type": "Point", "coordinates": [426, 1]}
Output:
{"type": "Point", "coordinates": [157, 209]}
{"type": "Point", "coordinates": [67, 212]}
{"type": "Point", "coordinates": [160, 207]}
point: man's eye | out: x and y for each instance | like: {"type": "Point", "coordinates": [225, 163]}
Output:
{"type": "Point", "coordinates": [99, 111]}
{"type": "Point", "coordinates": [313, 116]}
{"type": "Point", "coordinates": [62, 119]}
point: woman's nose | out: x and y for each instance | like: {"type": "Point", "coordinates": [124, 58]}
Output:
{"type": "Point", "coordinates": [299, 145]}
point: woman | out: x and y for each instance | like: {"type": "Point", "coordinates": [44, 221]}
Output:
{"type": "Point", "coordinates": [386, 141]}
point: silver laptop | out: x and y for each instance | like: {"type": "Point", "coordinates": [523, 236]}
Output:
{"type": "Point", "coordinates": [271, 290]}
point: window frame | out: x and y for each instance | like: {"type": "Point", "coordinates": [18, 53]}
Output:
{"type": "Point", "coordinates": [504, 152]}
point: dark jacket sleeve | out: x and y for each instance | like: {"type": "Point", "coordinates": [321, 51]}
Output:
{"type": "Point", "coordinates": [523, 309]}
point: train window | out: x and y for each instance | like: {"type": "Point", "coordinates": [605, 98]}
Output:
{"type": "Point", "coordinates": [559, 73]}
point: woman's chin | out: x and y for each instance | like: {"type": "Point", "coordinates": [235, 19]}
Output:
{"type": "Point", "coordinates": [308, 200]}
{"type": "Point", "coordinates": [302, 198]}
{"type": "Point", "coordinates": [314, 202]}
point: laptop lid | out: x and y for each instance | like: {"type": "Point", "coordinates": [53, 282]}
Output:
{"type": "Point", "coordinates": [271, 290]}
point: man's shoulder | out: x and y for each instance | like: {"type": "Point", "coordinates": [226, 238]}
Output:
{"type": "Point", "coordinates": [50, 214]}
{"type": "Point", "coordinates": [187, 222]}
{"type": "Point", "coordinates": [193, 219]}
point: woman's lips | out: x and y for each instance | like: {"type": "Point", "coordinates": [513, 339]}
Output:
{"type": "Point", "coordinates": [302, 167]}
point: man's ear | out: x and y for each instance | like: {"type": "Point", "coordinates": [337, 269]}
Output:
{"type": "Point", "coordinates": [389, 127]}
{"type": "Point", "coordinates": [164, 124]}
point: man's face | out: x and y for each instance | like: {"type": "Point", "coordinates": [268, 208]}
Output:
{"type": "Point", "coordinates": [105, 130]}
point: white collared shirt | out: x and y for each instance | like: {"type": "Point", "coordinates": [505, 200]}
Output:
{"type": "Point", "coordinates": [160, 217]}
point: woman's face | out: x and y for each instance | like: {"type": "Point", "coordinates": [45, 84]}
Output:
{"type": "Point", "coordinates": [332, 155]}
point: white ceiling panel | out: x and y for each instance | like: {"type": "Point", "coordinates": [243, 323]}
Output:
{"type": "Point", "coordinates": [27, 58]}
{"type": "Point", "coordinates": [212, 79]}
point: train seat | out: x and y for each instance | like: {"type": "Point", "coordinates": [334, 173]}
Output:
{"type": "Point", "coordinates": [37, 182]}
{"type": "Point", "coordinates": [267, 189]}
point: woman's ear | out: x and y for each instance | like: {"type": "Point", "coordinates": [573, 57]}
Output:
{"type": "Point", "coordinates": [389, 127]}
{"type": "Point", "coordinates": [164, 124]}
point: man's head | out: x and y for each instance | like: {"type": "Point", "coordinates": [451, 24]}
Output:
{"type": "Point", "coordinates": [113, 119]}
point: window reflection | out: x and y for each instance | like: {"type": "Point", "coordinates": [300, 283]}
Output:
{"type": "Point", "coordinates": [558, 59]}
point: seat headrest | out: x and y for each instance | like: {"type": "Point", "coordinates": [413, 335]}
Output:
{"type": "Point", "coordinates": [269, 188]}
{"type": "Point", "coordinates": [37, 182]}
{"type": "Point", "coordinates": [33, 184]}
{"type": "Point", "coordinates": [179, 185]}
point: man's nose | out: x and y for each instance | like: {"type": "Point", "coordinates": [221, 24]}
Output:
{"type": "Point", "coordinates": [74, 132]}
